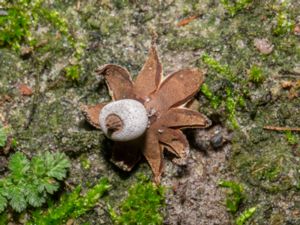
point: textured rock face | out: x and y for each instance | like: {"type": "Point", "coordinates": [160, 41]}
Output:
{"type": "Point", "coordinates": [195, 197]}
{"type": "Point", "coordinates": [266, 162]}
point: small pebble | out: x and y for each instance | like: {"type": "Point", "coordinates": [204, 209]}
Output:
{"type": "Point", "coordinates": [217, 141]}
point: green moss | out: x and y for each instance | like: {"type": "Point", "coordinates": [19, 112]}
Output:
{"type": "Point", "coordinates": [19, 28]}
{"type": "Point", "coordinates": [85, 162]}
{"type": "Point", "coordinates": [14, 27]}
{"type": "Point", "coordinates": [223, 70]}
{"type": "Point", "coordinates": [231, 111]}
{"type": "Point", "coordinates": [246, 215]}
{"type": "Point", "coordinates": [215, 100]}
{"type": "Point", "coordinates": [72, 72]}
{"type": "Point", "coordinates": [265, 161]}
{"type": "Point", "coordinates": [230, 98]}
{"type": "Point", "coordinates": [56, 19]}
{"type": "Point", "coordinates": [110, 24]}
{"type": "Point", "coordinates": [71, 205]}
{"type": "Point", "coordinates": [235, 6]}
{"type": "Point", "coordinates": [256, 74]}
{"type": "Point", "coordinates": [120, 4]}
{"type": "Point", "coordinates": [235, 196]}
{"type": "Point", "coordinates": [143, 205]}
{"type": "Point", "coordinates": [22, 17]}
{"type": "Point", "coordinates": [291, 138]}
{"type": "Point", "coordinates": [284, 24]}
{"type": "Point", "coordinates": [186, 43]}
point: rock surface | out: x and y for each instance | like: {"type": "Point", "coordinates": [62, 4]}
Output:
{"type": "Point", "coordinates": [267, 163]}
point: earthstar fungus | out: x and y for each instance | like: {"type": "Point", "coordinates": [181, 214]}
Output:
{"type": "Point", "coordinates": [146, 115]}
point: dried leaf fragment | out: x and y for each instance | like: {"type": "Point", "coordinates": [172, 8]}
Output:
{"type": "Point", "coordinates": [297, 29]}
{"type": "Point", "coordinates": [25, 90]}
{"type": "Point", "coordinates": [187, 20]}
{"type": "Point", "coordinates": [263, 45]}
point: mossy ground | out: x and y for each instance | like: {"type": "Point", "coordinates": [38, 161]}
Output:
{"type": "Point", "coordinates": [119, 31]}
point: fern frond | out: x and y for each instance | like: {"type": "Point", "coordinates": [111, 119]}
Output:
{"type": "Point", "coordinates": [56, 165]}
{"type": "Point", "coordinates": [38, 166]}
{"type": "Point", "coordinates": [17, 199]}
{"type": "Point", "coordinates": [30, 182]}
{"type": "Point", "coordinates": [3, 203]}
{"type": "Point", "coordinates": [18, 165]}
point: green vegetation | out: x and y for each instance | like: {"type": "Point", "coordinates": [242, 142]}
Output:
{"type": "Point", "coordinates": [256, 74]}
{"type": "Point", "coordinates": [143, 205]}
{"type": "Point", "coordinates": [4, 218]}
{"type": "Point", "coordinates": [120, 4]}
{"type": "Point", "coordinates": [30, 182]}
{"type": "Point", "coordinates": [71, 205]}
{"type": "Point", "coordinates": [284, 24]}
{"type": "Point", "coordinates": [235, 196]}
{"type": "Point", "coordinates": [230, 104]}
{"type": "Point", "coordinates": [214, 100]}
{"type": "Point", "coordinates": [242, 219]}
{"type": "Point", "coordinates": [3, 136]}
{"type": "Point", "coordinates": [291, 138]}
{"type": "Point", "coordinates": [230, 98]}
{"type": "Point", "coordinates": [22, 17]}
{"type": "Point", "coordinates": [223, 70]}
{"type": "Point", "coordinates": [235, 6]}
{"type": "Point", "coordinates": [269, 169]}
{"type": "Point", "coordinates": [72, 72]}
{"type": "Point", "coordinates": [186, 43]}
{"type": "Point", "coordinates": [14, 28]}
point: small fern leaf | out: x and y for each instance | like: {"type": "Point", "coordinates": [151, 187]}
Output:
{"type": "Point", "coordinates": [3, 203]}
{"type": "Point", "coordinates": [51, 185]}
{"type": "Point", "coordinates": [17, 199]}
{"type": "Point", "coordinates": [57, 165]}
{"type": "Point", "coordinates": [33, 196]}
{"type": "Point", "coordinates": [38, 166]}
{"type": "Point", "coordinates": [18, 165]}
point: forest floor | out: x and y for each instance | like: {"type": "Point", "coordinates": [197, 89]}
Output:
{"type": "Point", "coordinates": [237, 171]}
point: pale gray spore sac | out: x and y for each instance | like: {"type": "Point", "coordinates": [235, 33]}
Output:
{"type": "Point", "coordinates": [133, 115]}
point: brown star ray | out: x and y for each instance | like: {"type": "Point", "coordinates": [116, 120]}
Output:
{"type": "Point", "coordinates": [164, 100]}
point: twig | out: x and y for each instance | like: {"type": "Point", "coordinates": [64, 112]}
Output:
{"type": "Point", "coordinates": [187, 20]}
{"type": "Point", "coordinates": [287, 72]}
{"type": "Point", "coordinates": [35, 99]}
{"type": "Point", "coordinates": [282, 128]}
